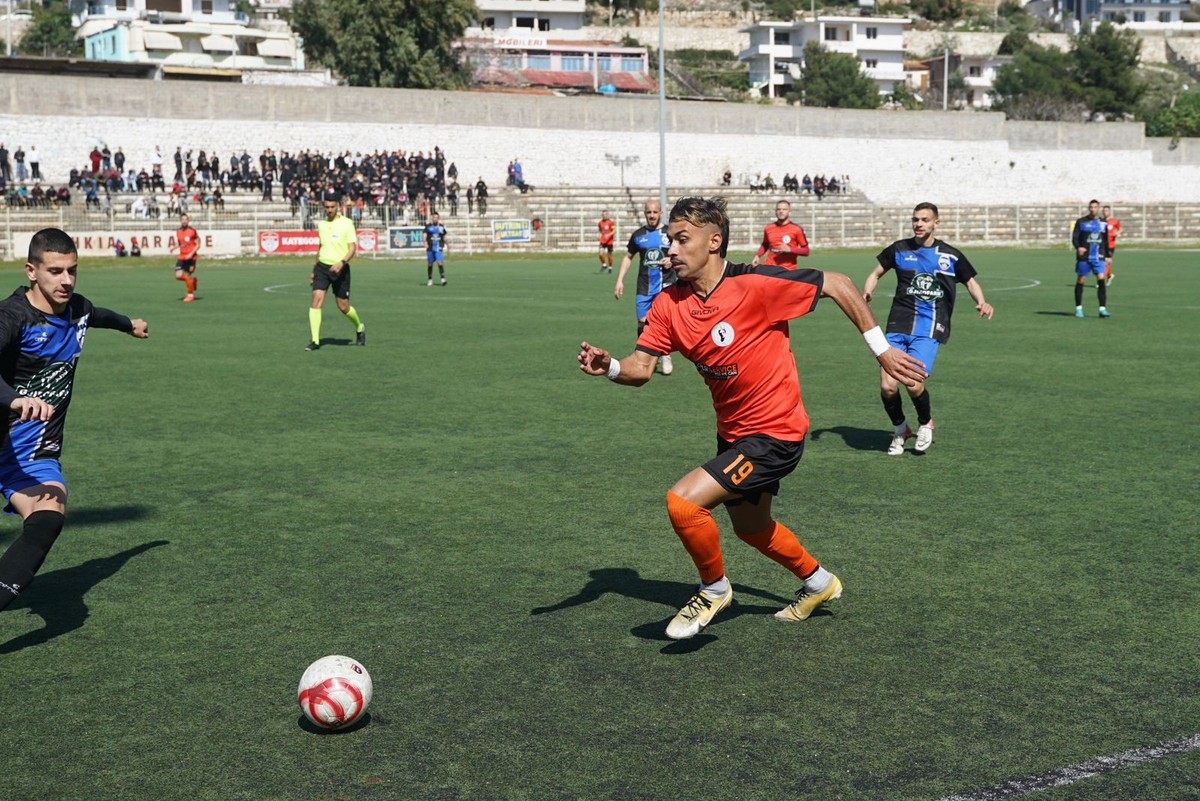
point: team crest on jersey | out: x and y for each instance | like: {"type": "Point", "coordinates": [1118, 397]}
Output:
{"type": "Point", "coordinates": [723, 334]}
{"type": "Point", "coordinates": [925, 287]}
{"type": "Point", "coordinates": [946, 262]}
{"type": "Point", "coordinates": [52, 384]}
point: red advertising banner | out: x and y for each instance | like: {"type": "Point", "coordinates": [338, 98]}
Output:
{"type": "Point", "coordinates": [308, 242]}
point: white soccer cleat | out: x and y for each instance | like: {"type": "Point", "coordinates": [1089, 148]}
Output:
{"type": "Point", "coordinates": [924, 437]}
{"type": "Point", "coordinates": [697, 613]}
{"type": "Point", "coordinates": [902, 433]}
{"type": "Point", "coordinates": [667, 367]}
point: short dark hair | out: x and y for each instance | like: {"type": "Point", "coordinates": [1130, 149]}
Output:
{"type": "Point", "coordinates": [927, 205]}
{"type": "Point", "coordinates": [50, 240]}
{"type": "Point", "coordinates": [700, 212]}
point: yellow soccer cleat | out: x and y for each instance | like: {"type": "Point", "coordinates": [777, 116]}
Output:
{"type": "Point", "coordinates": [697, 613]}
{"type": "Point", "coordinates": [807, 602]}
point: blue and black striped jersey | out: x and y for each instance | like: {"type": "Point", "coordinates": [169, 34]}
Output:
{"type": "Point", "coordinates": [925, 286]}
{"type": "Point", "coordinates": [651, 246]}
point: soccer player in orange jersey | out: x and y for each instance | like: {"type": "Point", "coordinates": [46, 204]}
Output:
{"type": "Point", "coordinates": [731, 320]}
{"type": "Point", "coordinates": [187, 241]}
{"type": "Point", "coordinates": [608, 234]}
{"type": "Point", "coordinates": [783, 240]}
{"type": "Point", "coordinates": [1114, 230]}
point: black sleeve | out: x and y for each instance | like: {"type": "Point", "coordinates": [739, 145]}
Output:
{"type": "Point", "coordinates": [964, 271]}
{"type": "Point", "coordinates": [1077, 237]}
{"type": "Point", "coordinates": [107, 318]}
{"type": "Point", "coordinates": [887, 257]}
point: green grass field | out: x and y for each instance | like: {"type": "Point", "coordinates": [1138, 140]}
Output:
{"type": "Point", "coordinates": [484, 527]}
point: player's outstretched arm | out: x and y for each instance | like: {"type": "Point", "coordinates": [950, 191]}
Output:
{"type": "Point", "coordinates": [634, 370]}
{"type": "Point", "coordinates": [896, 363]}
{"type": "Point", "coordinates": [141, 329]}
{"type": "Point", "coordinates": [982, 306]}
{"type": "Point", "coordinates": [619, 290]}
{"type": "Point", "coordinates": [872, 282]}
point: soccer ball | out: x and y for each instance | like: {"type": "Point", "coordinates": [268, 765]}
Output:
{"type": "Point", "coordinates": [334, 692]}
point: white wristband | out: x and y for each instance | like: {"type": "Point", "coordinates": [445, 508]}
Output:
{"type": "Point", "coordinates": [876, 341]}
{"type": "Point", "coordinates": [614, 368]}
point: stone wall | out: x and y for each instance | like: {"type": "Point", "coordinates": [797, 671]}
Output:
{"type": "Point", "coordinates": [893, 157]}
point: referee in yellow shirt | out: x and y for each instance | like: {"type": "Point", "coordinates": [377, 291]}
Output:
{"type": "Point", "coordinates": [339, 243]}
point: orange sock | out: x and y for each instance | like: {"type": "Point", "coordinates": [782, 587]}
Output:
{"type": "Point", "coordinates": [779, 544]}
{"type": "Point", "coordinates": [700, 535]}
{"type": "Point", "coordinates": [191, 285]}
{"type": "Point", "coordinates": [182, 277]}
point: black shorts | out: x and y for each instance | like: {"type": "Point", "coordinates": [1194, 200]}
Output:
{"type": "Point", "coordinates": [606, 247]}
{"type": "Point", "coordinates": [187, 265]}
{"type": "Point", "coordinates": [324, 278]}
{"type": "Point", "coordinates": [753, 465]}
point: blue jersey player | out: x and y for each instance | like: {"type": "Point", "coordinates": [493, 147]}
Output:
{"type": "Point", "coordinates": [42, 329]}
{"type": "Point", "coordinates": [435, 248]}
{"type": "Point", "coordinates": [649, 243]}
{"type": "Point", "coordinates": [927, 273]}
{"type": "Point", "coordinates": [1090, 240]}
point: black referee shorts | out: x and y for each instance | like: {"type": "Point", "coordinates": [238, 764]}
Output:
{"type": "Point", "coordinates": [324, 278]}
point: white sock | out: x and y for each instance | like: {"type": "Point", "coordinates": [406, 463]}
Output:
{"type": "Point", "coordinates": [718, 587]}
{"type": "Point", "coordinates": [818, 581]}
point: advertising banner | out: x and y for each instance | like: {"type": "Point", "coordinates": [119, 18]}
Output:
{"type": "Point", "coordinates": [512, 231]}
{"type": "Point", "coordinates": [273, 242]}
{"type": "Point", "coordinates": [152, 242]}
{"type": "Point", "coordinates": [406, 238]}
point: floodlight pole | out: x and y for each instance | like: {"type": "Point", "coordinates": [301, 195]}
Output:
{"type": "Point", "coordinates": [662, 110]}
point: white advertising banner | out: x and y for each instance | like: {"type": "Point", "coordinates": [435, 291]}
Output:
{"type": "Point", "coordinates": [152, 242]}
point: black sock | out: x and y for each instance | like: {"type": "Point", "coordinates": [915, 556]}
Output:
{"type": "Point", "coordinates": [1102, 292]}
{"type": "Point", "coordinates": [921, 402]}
{"type": "Point", "coordinates": [23, 558]}
{"type": "Point", "coordinates": [1079, 294]}
{"type": "Point", "coordinates": [429, 272]}
{"type": "Point", "coordinates": [893, 407]}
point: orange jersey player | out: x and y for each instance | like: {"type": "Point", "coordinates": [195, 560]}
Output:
{"type": "Point", "coordinates": [783, 240]}
{"type": "Point", "coordinates": [608, 235]}
{"type": "Point", "coordinates": [732, 322]}
{"type": "Point", "coordinates": [187, 241]}
{"type": "Point", "coordinates": [1114, 230]}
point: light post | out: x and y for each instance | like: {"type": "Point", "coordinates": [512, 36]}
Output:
{"type": "Point", "coordinates": [622, 162]}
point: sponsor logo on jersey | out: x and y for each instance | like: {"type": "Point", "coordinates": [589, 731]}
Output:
{"type": "Point", "coordinates": [718, 372]}
{"type": "Point", "coordinates": [723, 334]}
{"type": "Point", "coordinates": [52, 383]}
{"type": "Point", "coordinates": [704, 311]}
{"type": "Point", "coordinates": [925, 287]}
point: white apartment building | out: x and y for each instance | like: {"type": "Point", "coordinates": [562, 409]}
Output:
{"type": "Point", "coordinates": [776, 52]}
{"type": "Point", "coordinates": [531, 15]}
{"type": "Point", "coordinates": [199, 37]}
{"type": "Point", "coordinates": [1138, 15]}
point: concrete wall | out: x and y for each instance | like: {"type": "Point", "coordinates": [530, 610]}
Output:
{"type": "Point", "coordinates": [956, 157]}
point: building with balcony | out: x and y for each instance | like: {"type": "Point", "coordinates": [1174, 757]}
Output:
{"type": "Point", "coordinates": [1140, 15]}
{"type": "Point", "coordinates": [563, 65]}
{"type": "Point", "coordinates": [209, 38]}
{"type": "Point", "coordinates": [531, 15]}
{"type": "Point", "coordinates": [776, 51]}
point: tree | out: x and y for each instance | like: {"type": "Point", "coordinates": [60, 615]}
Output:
{"type": "Point", "coordinates": [1106, 67]}
{"type": "Point", "coordinates": [50, 32]}
{"type": "Point", "coordinates": [1181, 118]}
{"type": "Point", "coordinates": [834, 80]}
{"type": "Point", "coordinates": [393, 43]}
{"type": "Point", "coordinates": [938, 10]}
{"type": "Point", "coordinates": [1039, 85]}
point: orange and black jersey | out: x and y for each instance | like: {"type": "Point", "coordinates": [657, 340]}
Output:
{"type": "Point", "coordinates": [782, 244]}
{"type": "Point", "coordinates": [608, 232]}
{"type": "Point", "coordinates": [737, 336]}
{"type": "Point", "coordinates": [189, 242]}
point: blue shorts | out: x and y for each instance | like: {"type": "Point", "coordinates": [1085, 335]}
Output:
{"type": "Point", "coordinates": [644, 302]}
{"type": "Point", "coordinates": [433, 256]}
{"type": "Point", "coordinates": [924, 349]}
{"type": "Point", "coordinates": [15, 477]}
{"type": "Point", "coordinates": [1085, 268]}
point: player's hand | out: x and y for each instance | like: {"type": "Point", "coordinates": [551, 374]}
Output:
{"type": "Point", "coordinates": [337, 268]}
{"type": "Point", "coordinates": [619, 290]}
{"type": "Point", "coordinates": [1081, 252]}
{"type": "Point", "coordinates": [32, 409]}
{"type": "Point", "coordinates": [867, 297]}
{"type": "Point", "coordinates": [754, 262]}
{"type": "Point", "coordinates": [593, 360]}
{"type": "Point", "coordinates": [985, 310]}
{"type": "Point", "coordinates": [902, 367]}
{"type": "Point", "coordinates": [141, 329]}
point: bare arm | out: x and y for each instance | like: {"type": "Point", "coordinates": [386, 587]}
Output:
{"type": "Point", "coordinates": [620, 288]}
{"type": "Point", "coordinates": [636, 369]}
{"type": "Point", "coordinates": [872, 282]}
{"type": "Point", "coordinates": [896, 363]}
{"type": "Point", "coordinates": [982, 306]}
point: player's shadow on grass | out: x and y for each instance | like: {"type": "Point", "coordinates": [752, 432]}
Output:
{"type": "Point", "coordinates": [1057, 313]}
{"type": "Point", "coordinates": [671, 594]}
{"type": "Point", "coordinates": [330, 342]}
{"type": "Point", "coordinates": [860, 439]}
{"type": "Point", "coordinates": [57, 597]}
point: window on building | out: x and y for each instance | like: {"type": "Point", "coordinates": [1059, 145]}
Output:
{"type": "Point", "coordinates": [170, 6]}
{"type": "Point", "coordinates": [631, 64]}
{"type": "Point", "coordinates": [831, 34]}
{"type": "Point", "coordinates": [604, 63]}
{"type": "Point", "coordinates": [524, 22]}
{"type": "Point", "coordinates": [1139, 16]}
{"type": "Point", "coordinates": [539, 61]}
{"type": "Point", "coordinates": [489, 23]}
{"type": "Point", "coordinates": [872, 63]}
{"type": "Point", "coordinates": [974, 72]}
{"type": "Point", "coordinates": [509, 62]}
{"type": "Point", "coordinates": [122, 5]}
{"type": "Point", "coordinates": [573, 63]}
{"type": "Point", "coordinates": [1164, 16]}
{"type": "Point", "coordinates": [543, 25]}
{"type": "Point", "coordinates": [206, 7]}
{"type": "Point", "coordinates": [782, 38]}
{"type": "Point", "coordinates": [872, 33]}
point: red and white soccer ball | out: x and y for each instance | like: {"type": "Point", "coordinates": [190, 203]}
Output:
{"type": "Point", "coordinates": [334, 692]}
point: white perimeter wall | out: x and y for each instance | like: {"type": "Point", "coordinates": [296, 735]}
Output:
{"type": "Point", "coordinates": [894, 157]}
